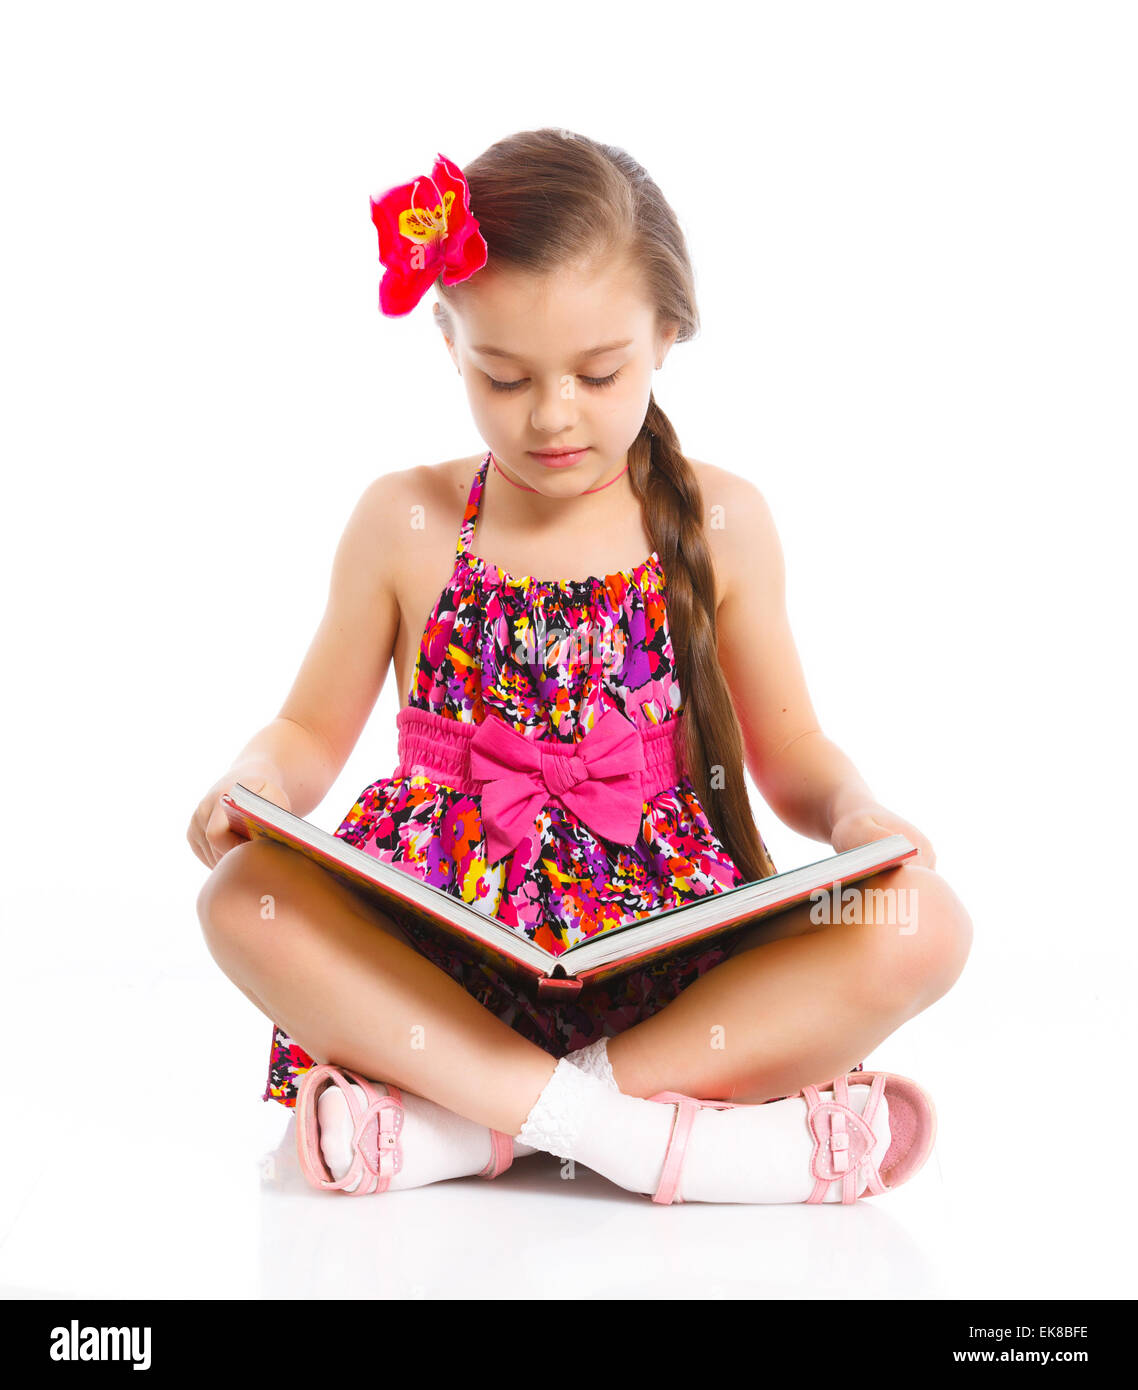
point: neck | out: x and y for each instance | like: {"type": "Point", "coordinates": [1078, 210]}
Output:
{"type": "Point", "coordinates": [519, 507]}
{"type": "Point", "coordinates": [526, 488]}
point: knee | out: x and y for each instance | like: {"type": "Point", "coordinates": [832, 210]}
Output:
{"type": "Point", "coordinates": [922, 939]}
{"type": "Point", "coordinates": [237, 901]}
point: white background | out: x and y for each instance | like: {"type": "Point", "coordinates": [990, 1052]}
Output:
{"type": "Point", "coordinates": [913, 227]}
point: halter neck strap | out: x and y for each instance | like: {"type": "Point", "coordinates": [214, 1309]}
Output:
{"type": "Point", "coordinates": [473, 501]}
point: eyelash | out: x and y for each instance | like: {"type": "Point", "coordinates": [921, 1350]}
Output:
{"type": "Point", "coordinates": [597, 381]}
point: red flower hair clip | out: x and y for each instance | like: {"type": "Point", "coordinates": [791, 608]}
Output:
{"type": "Point", "coordinates": [426, 227]}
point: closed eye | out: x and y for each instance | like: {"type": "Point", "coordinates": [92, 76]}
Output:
{"type": "Point", "coordinates": [598, 381]}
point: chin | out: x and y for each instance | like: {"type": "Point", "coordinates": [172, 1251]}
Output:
{"type": "Point", "coordinates": [589, 466]}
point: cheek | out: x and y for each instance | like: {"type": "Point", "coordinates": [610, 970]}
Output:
{"type": "Point", "coordinates": [627, 413]}
{"type": "Point", "coordinates": [486, 407]}
{"type": "Point", "coordinates": [633, 402]}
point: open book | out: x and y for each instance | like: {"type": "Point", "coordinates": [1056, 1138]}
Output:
{"type": "Point", "coordinates": [668, 932]}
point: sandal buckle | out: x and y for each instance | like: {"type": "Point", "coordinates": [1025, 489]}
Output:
{"type": "Point", "coordinates": [842, 1140]}
{"type": "Point", "coordinates": [388, 1115]}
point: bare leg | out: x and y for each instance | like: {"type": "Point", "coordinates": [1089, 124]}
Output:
{"type": "Point", "coordinates": [361, 997]}
{"type": "Point", "coordinates": [783, 1013]}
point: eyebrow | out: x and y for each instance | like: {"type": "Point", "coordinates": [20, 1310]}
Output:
{"type": "Point", "coordinates": [489, 351]}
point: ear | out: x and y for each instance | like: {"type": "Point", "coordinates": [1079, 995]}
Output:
{"type": "Point", "coordinates": [664, 340]}
{"type": "Point", "coordinates": [440, 321]}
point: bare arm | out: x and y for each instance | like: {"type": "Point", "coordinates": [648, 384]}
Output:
{"type": "Point", "coordinates": [298, 756]}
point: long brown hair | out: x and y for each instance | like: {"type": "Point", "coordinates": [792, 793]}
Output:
{"type": "Point", "coordinates": [549, 198]}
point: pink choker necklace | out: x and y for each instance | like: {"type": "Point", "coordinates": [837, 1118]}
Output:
{"type": "Point", "coordinates": [523, 487]}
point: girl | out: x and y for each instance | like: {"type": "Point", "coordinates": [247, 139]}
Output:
{"type": "Point", "coordinates": [563, 280]}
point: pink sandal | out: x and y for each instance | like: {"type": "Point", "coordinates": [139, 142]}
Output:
{"type": "Point", "coordinates": [377, 1155]}
{"type": "Point", "coordinates": [842, 1137]}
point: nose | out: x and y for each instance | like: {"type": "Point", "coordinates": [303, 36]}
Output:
{"type": "Point", "coordinates": [555, 407]}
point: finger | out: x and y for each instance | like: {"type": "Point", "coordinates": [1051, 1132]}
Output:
{"type": "Point", "coordinates": [208, 854]}
{"type": "Point", "coordinates": [200, 827]}
{"type": "Point", "coordinates": [194, 840]}
{"type": "Point", "coordinates": [218, 833]}
{"type": "Point", "coordinates": [224, 842]}
{"type": "Point", "coordinates": [196, 837]}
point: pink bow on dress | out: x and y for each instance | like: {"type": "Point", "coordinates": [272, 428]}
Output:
{"type": "Point", "coordinates": [599, 781]}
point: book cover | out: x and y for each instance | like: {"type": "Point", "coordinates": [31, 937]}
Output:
{"type": "Point", "coordinates": [654, 937]}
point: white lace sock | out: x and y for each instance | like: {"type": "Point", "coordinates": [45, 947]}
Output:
{"type": "Point", "coordinates": [593, 1060]}
{"type": "Point", "coordinates": [753, 1153]}
{"type": "Point", "coordinates": [436, 1143]}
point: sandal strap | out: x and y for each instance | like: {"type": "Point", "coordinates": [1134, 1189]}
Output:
{"type": "Point", "coordinates": [316, 1079]}
{"type": "Point", "coordinates": [385, 1111]}
{"type": "Point", "coordinates": [501, 1154]}
{"type": "Point", "coordinates": [843, 1140]}
{"type": "Point", "coordinates": [874, 1181]}
{"type": "Point", "coordinates": [687, 1107]}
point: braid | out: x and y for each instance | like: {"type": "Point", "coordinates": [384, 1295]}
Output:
{"type": "Point", "coordinates": [670, 496]}
{"type": "Point", "coordinates": [550, 198]}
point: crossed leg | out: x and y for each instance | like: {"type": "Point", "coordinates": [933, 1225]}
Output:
{"type": "Point", "coordinates": [797, 1002]}
{"type": "Point", "coordinates": [794, 1004]}
{"type": "Point", "coordinates": [362, 998]}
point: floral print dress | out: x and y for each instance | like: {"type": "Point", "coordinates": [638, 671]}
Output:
{"type": "Point", "coordinates": [549, 657]}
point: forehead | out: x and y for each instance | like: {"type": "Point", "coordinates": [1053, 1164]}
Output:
{"type": "Point", "coordinates": [564, 312]}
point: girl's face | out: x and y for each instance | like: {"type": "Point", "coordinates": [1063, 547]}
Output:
{"type": "Point", "coordinates": [560, 360]}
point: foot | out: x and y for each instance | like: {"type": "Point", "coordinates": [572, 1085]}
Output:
{"type": "Point", "coordinates": [765, 1153]}
{"type": "Point", "coordinates": [436, 1143]}
{"type": "Point", "coordinates": [807, 1148]}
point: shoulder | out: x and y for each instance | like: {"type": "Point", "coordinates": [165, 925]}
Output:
{"type": "Point", "coordinates": [740, 530]}
{"type": "Point", "coordinates": [401, 515]}
{"type": "Point", "coordinates": [427, 485]}
{"type": "Point", "coordinates": [726, 489]}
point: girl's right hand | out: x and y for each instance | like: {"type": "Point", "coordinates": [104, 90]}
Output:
{"type": "Point", "coordinates": [209, 834]}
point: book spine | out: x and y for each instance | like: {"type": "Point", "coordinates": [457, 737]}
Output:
{"type": "Point", "coordinates": [555, 990]}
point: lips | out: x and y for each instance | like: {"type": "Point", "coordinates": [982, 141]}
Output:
{"type": "Point", "coordinates": [563, 458]}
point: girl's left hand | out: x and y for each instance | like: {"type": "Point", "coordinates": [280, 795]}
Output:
{"type": "Point", "coordinates": [875, 822]}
